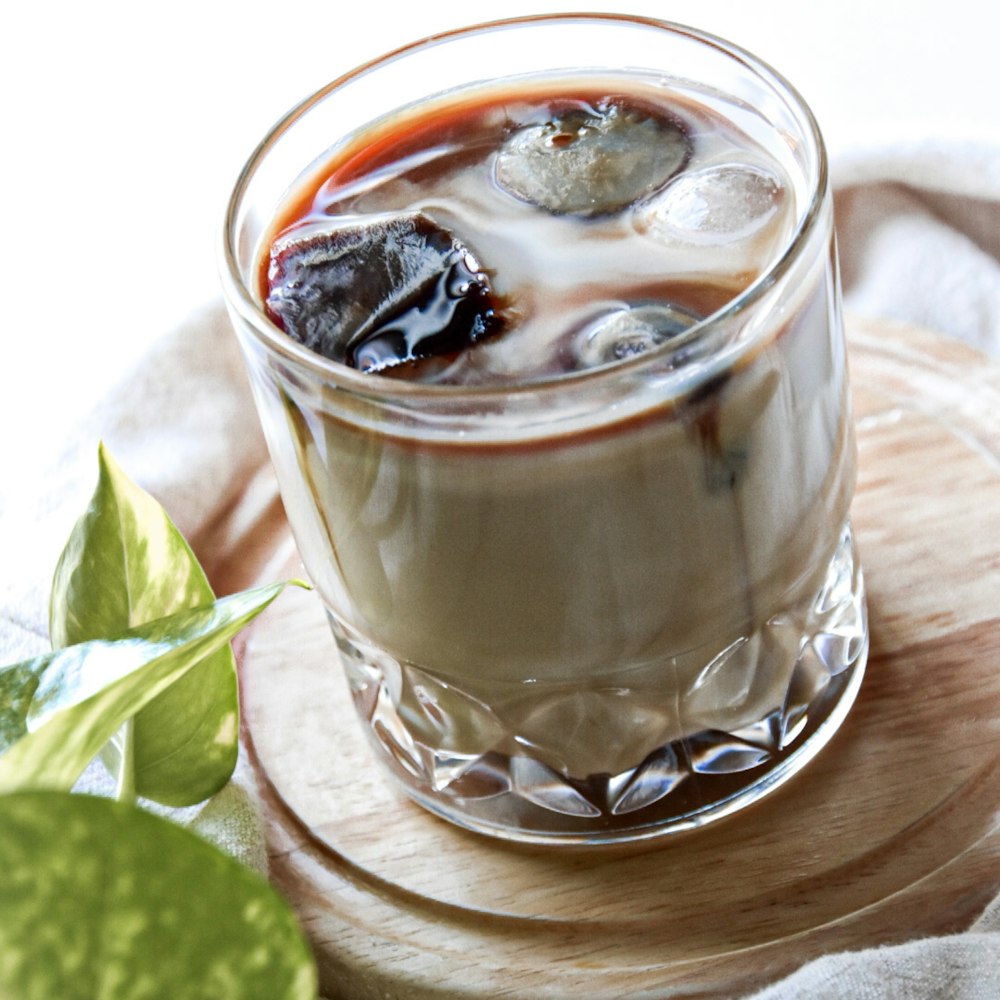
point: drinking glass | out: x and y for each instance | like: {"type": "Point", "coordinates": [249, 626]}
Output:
{"type": "Point", "coordinates": [601, 605]}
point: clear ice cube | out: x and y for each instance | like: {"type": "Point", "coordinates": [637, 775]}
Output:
{"type": "Point", "coordinates": [719, 204]}
{"type": "Point", "coordinates": [592, 159]}
{"type": "Point", "coordinates": [627, 332]}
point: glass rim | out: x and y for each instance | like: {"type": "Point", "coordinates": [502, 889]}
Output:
{"type": "Point", "coordinates": [275, 340]}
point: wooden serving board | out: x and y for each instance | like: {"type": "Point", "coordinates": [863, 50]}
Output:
{"type": "Point", "coordinates": [892, 832]}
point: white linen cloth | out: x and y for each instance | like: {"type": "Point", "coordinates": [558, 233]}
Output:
{"type": "Point", "coordinates": [919, 232]}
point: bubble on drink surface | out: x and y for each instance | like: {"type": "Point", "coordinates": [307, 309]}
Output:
{"type": "Point", "coordinates": [592, 159]}
{"type": "Point", "coordinates": [382, 294]}
{"type": "Point", "coordinates": [626, 333]}
{"type": "Point", "coordinates": [718, 204]}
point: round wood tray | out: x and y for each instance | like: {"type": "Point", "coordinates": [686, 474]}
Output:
{"type": "Point", "coordinates": [892, 832]}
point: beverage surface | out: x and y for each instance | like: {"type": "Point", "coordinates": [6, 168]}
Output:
{"type": "Point", "coordinates": [526, 231]}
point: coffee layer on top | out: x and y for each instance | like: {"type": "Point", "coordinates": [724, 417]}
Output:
{"type": "Point", "coordinates": [530, 232]}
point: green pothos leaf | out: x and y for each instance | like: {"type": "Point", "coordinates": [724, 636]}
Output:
{"type": "Point", "coordinates": [126, 564]}
{"type": "Point", "coordinates": [18, 683]}
{"type": "Point", "coordinates": [80, 695]}
{"type": "Point", "coordinates": [101, 899]}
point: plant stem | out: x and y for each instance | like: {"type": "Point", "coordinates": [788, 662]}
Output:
{"type": "Point", "coordinates": [125, 792]}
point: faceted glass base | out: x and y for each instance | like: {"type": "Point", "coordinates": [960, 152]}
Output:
{"type": "Point", "coordinates": [505, 759]}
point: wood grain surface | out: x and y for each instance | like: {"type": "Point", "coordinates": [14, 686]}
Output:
{"type": "Point", "coordinates": [892, 832]}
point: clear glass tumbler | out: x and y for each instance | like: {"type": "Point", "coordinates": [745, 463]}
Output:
{"type": "Point", "coordinates": [613, 601]}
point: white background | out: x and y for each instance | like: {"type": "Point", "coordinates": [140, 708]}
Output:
{"type": "Point", "coordinates": [125, 124]}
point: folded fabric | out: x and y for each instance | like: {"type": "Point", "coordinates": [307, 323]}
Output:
{"type": "Point", "coordinates": [919, 240]}
{"type": "Point", "coordinates": [919, 235]}
{"type": "Point", "coordinates": [957, 967]}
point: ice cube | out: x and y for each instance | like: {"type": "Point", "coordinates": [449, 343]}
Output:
{"type": "Point", "coordinates": [627, 332]}
{"type": "Point", "coordinates": [720, 204]}
{"type": "Point", "coordinates": [592, 159]}
{"type": "Point", "coordinates": [381, 293]}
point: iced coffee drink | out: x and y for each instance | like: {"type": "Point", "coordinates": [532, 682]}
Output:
{"type": "Point", "coordinates": [554, 381]}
